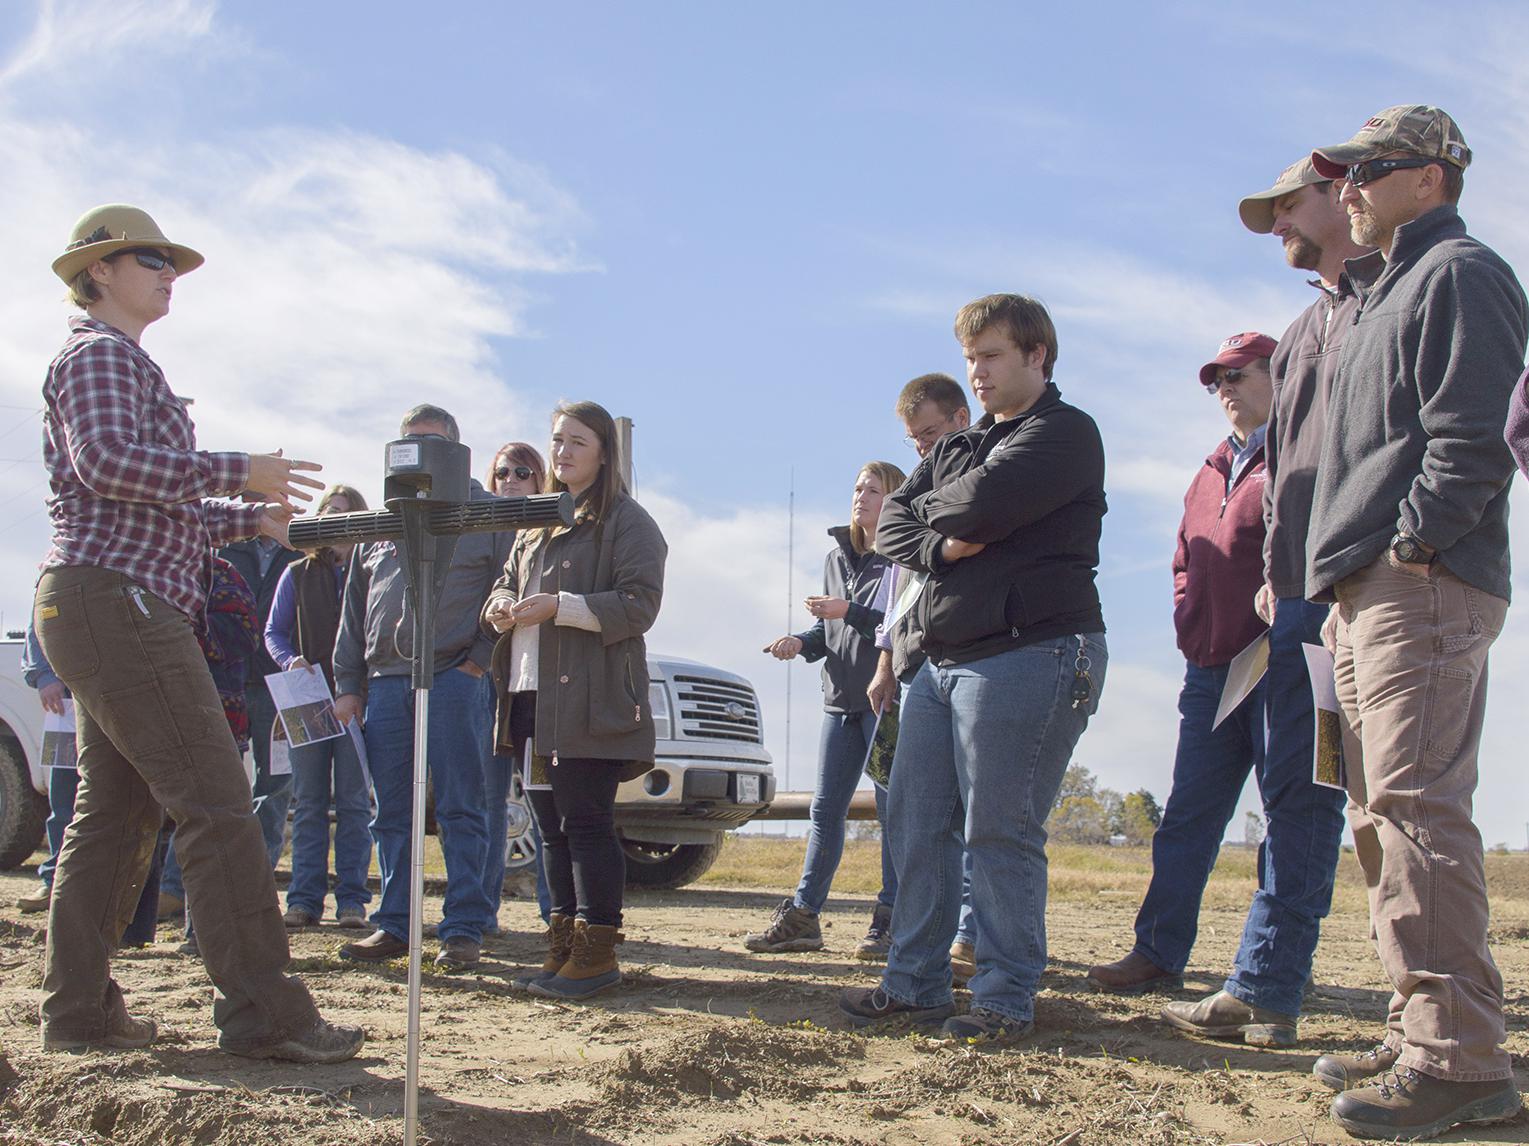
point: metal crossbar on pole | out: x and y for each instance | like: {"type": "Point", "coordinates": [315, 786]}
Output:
{"type": "Point", "coordinates": [427, 531]}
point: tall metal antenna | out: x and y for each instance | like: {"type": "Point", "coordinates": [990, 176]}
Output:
{"type": "Point", "coordinates": [790, 601]}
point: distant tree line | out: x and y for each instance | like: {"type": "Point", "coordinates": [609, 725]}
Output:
{"type": "Point", "coordinates": [1085, 813]}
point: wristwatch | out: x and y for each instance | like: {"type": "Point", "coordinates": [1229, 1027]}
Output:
{"type": "Point", "coordinates": [1410, 551]}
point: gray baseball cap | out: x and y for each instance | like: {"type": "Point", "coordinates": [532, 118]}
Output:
{"type": "Point", "coordinates": [1257, 211]}
{"type": "Point", "coordinates": [1415, 127]}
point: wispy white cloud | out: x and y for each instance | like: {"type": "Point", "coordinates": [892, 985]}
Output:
{"type": "Point", "coordinates": [68, 32]}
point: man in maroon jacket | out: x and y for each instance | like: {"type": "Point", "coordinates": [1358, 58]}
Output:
{"type": "Point", "coordinates": [1217, 570]}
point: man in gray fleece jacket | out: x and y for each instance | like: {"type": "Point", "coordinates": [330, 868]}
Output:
{"type": "Point", "coordinates": [372, 660]}
{"type": "Point", "coordinates": [1409, 536]}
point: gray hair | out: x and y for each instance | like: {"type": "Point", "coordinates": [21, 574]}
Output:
{"type": "Point", "coordinates": [425, 412]}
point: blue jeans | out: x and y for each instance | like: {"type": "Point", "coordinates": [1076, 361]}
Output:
{"type": "Point", "coordinates": [981, 753]}
{"type": "Point", "coordinates": [841, 761]}
{"type": "Point", "coordinates": [1209, 770]}
{"type": "Point", "coordinates": [498, 772]}
{"type": "Point", "coordinates": [63, 783]}
{"type": "Point", "coordinates": [318, 769]}
{"type": "Point", "coordinates": [273, 794]}
{"type": "Point", "coordinates": [457, 743]}
{"type": "Point", "coordinates": [1304, 828]}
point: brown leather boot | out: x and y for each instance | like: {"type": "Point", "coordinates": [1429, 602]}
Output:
{"type": "Point", "coordinates": [559, 948]}
{"type": "Point", "coordinates": [591, 966]}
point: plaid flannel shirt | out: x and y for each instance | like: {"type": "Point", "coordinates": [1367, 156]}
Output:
{"type": "Point", "coordinates": [126, 476]}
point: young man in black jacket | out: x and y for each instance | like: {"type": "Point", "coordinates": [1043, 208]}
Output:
{"type": "Point", "coordinates": [1004, 519]}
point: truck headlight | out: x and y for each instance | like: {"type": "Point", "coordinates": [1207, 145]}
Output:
{"type": "Point", "coordinates": [658, 700]}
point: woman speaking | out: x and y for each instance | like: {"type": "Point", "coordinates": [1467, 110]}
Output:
{"type": "Point", "coordinates": [571, 672]}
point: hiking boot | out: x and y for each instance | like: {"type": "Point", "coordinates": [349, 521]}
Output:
{"type": "Point", "coordinates": [1133, 975]}
{"type": "Point", "coordinates": [1408, 1105]}
{"type": "Point", "coordinates": [37, 901]}
{"type": "Point", "coordinates": [351, 918]}
{"type": "Point", "coordinates": [459, 953]}
{"type": "Point", "coordinates": [1224, 1016]}
{"type": "Point", "coordinates": [963, 962]}
{"type": "Point", "coordinates": [323, 1042]}
{"type": "Point", "coordinates": [865, 1006]}
{"type": "Point", "coordinates": [985, 1026]}
{"type": "Point", "coordinates": [559, 938]}
{"type": "Point", "coordinates": [127, 1033]}
{"type": "Point", "coordinates": [171, 907]}
{"type": "Point", "coordinates": [878, 938]}
{"type": "Point", "coordinates": [792, 928]}
{"type": "Point", "coordinates": [378, 947]}
{"type": "Point", "coordinates": [1345, 1071]}
{"type": "Point", "coordinates": [296, 917]}
{"type": "Point", "coordinates": [189, 947]}
{"type": "Point", "coordinates": [591, 965]}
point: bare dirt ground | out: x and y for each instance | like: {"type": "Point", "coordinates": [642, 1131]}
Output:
{"type": "Point", "coordinates": [710, 1045]}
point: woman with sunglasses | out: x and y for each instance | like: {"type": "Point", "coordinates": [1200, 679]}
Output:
{"type": "Point", "coordinates": [122, 591]}
{"type": "Point", "coordinates": [516, 471]}
{"type": "Point", "coordinates": [300, 634]}
{"type": "Point", "coordinates": [572, 675]}
{"type": "Point", "coordinates": [843, 638]}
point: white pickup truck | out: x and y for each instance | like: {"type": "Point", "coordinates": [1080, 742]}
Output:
{"type": "Point", "coordinates": [712, 774]}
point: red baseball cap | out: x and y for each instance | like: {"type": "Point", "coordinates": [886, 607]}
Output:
{"type": "Point", "coordinates": [1236, 352]}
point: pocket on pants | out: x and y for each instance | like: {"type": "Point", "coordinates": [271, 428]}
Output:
{"type": "Point", "coordinates": [63, 628]}
{"type": "Point", "coordinates": [1449, 710]}
{"type": "Point", "coordinates": [159, 715]}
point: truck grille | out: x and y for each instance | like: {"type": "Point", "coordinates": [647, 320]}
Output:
{"type": "Point", "coordinates": [712, 709]}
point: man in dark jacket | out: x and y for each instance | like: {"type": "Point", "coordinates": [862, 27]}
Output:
{"type": "Point", "coordinates": [1217, 570]}
{"type": "Point", "coordinates": [1004, 518]}
{"type": "Point", "coordinates": [1410, 538]}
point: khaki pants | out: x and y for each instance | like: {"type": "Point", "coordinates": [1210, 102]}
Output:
{"type": "Point", "coordinates": [152, 736]}
{"type": "Point", "coordinates": [1411, 671]}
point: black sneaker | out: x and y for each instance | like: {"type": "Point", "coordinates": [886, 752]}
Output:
{"type": "Point", "coordinates": [980, 1025]}
{"type": "Point", "coordinates": [878, 938]}
{"type": "Point", "coordinates": [792, 928]}
{"type": "Point", "coordinates": [1407, 1104]}
{"type": "Point", "coordinates": [863, 1006]}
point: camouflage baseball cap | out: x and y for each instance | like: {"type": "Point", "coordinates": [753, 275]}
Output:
{"type": "Point", "coordinates": [1415, 127]}
{"type": "Point", "coordinates": [1257, 211]}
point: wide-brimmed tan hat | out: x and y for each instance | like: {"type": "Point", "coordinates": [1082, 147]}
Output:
{"type": "Point", "coordinates": [1257, 211]}
{"type": "Point", "coordinates": [103, 231]}
{"type": "Point", "coordinates": [1415, 127]}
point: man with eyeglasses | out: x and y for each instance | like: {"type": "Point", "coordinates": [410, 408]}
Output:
{"type": "Point", "coordinates": [929, 407]}
{"type": "Point", "coordinates": [372, 665]}
{"type": "Point", "coordinates": [1409, 538]}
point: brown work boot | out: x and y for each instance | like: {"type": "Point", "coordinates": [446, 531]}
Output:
{"type": "Point", "coordinates": [172, 908]}
{"type": "Point", "coordinates": [126, 1033]}
{"type": "Point", "coordinates": [559, 947]}
{"type": "Point", "coordinates": [1345, 1071]}
{"type": "Point", "coordinates": [378, 947]}
{"type": "Point", "coordinates": [323, 1042]}
{"type": "Point", "coordinates": [963, 962]}
{"type": "Point", "coordinates": [37, 901]}
{"type": "Point", "coordinates": [591, 966]}
{"type": "Point", "coordinates": [1407, 1104]}
{"type": "Point", "coordinates": [1224, 1016]}
{"type": "Point", "coordinates": [792, 928]}
{"type": "Point", "coordinates": [1132, 975]}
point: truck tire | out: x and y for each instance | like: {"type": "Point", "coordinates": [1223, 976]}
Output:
{"type": "Point", "coordinates": [23, 813]}
{"type": "Point", "coordinates": [661, 866]}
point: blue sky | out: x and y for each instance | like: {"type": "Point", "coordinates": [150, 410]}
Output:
{"type": "Point", "coordinates": [743, 228]}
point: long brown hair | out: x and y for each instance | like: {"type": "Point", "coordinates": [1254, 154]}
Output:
{"type": "Point", "coordinates": [518, 453]}
{"type": "Point", "coordinates": [890, 478]}
{"type": "Point", "coordinates": [596, 502]}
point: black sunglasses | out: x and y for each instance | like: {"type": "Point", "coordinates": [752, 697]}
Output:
{"type": "Point", "coordinates": [521, 472]}
{"type": "Point", "coordinates": [149, 258]}
{"type": "Point", "coordinates": [1227, 376]}
{"type": "Point", "coordinates": [1361, 173]}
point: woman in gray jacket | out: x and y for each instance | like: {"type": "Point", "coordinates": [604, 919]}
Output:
{"type": "Point", "coordinates": [571, 675]}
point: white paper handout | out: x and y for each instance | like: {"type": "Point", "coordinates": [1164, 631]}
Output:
{"type": "Point", "coordinates": [1242, 676]}
{"type": "Point", "coordinates": [58, 742]}
{"type": "Point", "coordinates": [281, 751]}
{"type": "Point", "coordinates": [1327, 765]}
{"type": "Point", "coordinates": [359, 743]}
{"type": "Point", "coordinates": [304, 706]}
{"type": "Point", "coordinates": [912, 584]}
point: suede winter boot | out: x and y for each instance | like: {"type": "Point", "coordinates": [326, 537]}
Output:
{"type": "Point", "coordinates": [559, 948]}
{"type": "Point", "coordinates": [591, 966]}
